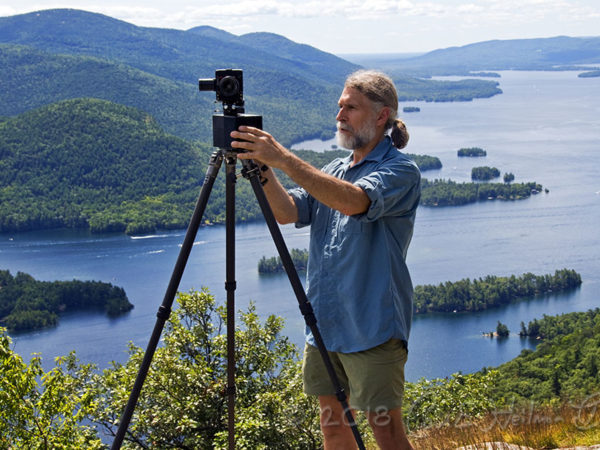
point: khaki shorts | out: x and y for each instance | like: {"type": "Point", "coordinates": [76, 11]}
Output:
{"type": "Point", "coordinates": [373, 379]}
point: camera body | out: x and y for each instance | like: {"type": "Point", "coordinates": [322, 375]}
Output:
{"type": "Point", "coordinates": [228, 84]}
{"type": "Point", "coordinates": [229, 87]}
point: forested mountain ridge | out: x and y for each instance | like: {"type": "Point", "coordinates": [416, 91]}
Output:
{"type": "Point", "coordinates": [174, 54]}
{"type": "Point", "coordinates": [556, 53]}
{"type": "Point", "coordinates": [89, 162]}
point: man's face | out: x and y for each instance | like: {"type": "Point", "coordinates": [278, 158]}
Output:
{"type": "Point", "coordinates": [356, 120]}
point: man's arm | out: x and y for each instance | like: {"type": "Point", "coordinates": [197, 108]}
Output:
{"type": "Point", "coordinates": [329, 190]}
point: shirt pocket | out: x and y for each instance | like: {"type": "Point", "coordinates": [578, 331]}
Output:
{"type": "Point", "coordinates": [346, 226]}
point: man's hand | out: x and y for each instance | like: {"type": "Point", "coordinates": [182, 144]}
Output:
{"type": "Point", "coordinates": [260, 146]}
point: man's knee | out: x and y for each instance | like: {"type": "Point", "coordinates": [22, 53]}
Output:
{"type": "Point", "coordinates": [335, 423]}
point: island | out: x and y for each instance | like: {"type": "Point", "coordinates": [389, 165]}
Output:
{"type": "Point", "coordinates": [484, 173]}
{"type": "Point", "coordinates": [590, 74]}
{"type": "Point", "coordinates": [27, 304]}
{"type": "Point", "coordinates": [450, 193]}
{"type": "Point", "coordinates": [471, 152]}
{"type": "Point", "coordinates": [509, 177]}
{"type": "Point", "coordinates": [480, 294]}
{"type": "Point", "coordinates": [274, 264]}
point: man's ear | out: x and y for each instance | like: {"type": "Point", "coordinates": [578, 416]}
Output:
{"type": "Point", "coordinates": [383, 116]}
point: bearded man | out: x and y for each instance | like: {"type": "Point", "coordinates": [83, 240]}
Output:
{"type": "Point", "coordinates": [361, 210]}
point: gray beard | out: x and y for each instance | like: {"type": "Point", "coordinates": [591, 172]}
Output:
{"type": "Point", "coordinates": [358, 139]}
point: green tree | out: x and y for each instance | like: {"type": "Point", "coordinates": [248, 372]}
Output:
{"type": "Point", "coordinates": [502, 330]}
{"type": "Point", "coordinates": [48, 414]}
{"type": "Point", "coordinates": [183, 403]}
{"type": "Point", "coordinates": [509, 177]}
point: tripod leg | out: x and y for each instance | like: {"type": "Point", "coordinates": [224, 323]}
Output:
{"type": "Point", "coordinates": [164, 311]}
{"type": "Point", "coordinates": [251, 171]}
{"type": "Point", "coordinates": [230, 286]}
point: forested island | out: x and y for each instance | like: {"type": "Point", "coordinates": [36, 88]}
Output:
{"type": "Point", "coordinates": [590, 74]}
{"type": "Point", "coordinates": [411, 109]}
{"type": "Point", "coordinates": [471, 152]}
{"type": "Point", "coordinates": [480, 294]}
{"type": "Point", "coordinates": [484, 173]}
{"type": "Point", "coordinates": [274, 264]}
{"type": "Point", "coordinates": [451, 193]}
{"type": "Point", "coordinates": [27, 304]}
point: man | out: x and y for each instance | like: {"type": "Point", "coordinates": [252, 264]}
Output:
{"type": "Point", "coordinates": [361, 210]}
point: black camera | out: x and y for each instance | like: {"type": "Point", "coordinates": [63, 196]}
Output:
{"type": "Point", "coordinates": [228, 85]}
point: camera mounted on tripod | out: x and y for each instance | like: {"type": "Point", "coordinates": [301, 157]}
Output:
{"type": "Point", "coordinates": [228, 84]}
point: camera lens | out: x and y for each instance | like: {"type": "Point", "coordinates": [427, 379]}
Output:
{"type": "Point", "coordinates": [229, 86]}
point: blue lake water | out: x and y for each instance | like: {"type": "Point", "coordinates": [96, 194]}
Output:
{"type": "Point", "coordinates": [545, 127]}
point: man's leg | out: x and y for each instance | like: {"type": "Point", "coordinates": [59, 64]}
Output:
{"type": "Point", "coordinates": [388, 429]}
{"type": "Point", "coordinates": [337, 434]}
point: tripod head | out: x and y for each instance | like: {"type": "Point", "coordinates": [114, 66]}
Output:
{"type": "Point", "coordinates": [228, 85]}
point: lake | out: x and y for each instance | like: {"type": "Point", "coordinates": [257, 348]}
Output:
{"type": "Point", "coordinates": [545, 127]}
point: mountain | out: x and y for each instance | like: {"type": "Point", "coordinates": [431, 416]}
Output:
{"type": "Point", "coordinates": [89, 162]}
{"type": "Point", "coordinates": [278, 87]}
{"type": "Point", "coordinates": [557, 53]}
{"type": "Point", "coordinates": [32, 78]}
{"type": "Point", "coordinates": [78, 53]}
{"type": "Point", "coordinates": [174, 54]}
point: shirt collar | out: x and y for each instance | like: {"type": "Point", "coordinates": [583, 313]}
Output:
{"type": "Point", "coordinates": [376, 154]}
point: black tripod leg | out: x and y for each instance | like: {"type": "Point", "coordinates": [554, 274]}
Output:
{"type": "Point", "coordinates": [251, 171]}
{"type": "Point", "coordinates": [230, 286]}
{"type": "Point", "coordinates": [164, 311]}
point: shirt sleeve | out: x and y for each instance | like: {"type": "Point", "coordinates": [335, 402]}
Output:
{"type": "Point", "coordinates": [304, 202]}
{"type": "Point", "coordinates": [394, 190]}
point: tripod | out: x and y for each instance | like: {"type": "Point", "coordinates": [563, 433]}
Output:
{"type": "Point", "coordinates": [250, 171]}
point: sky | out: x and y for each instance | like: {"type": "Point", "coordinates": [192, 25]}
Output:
{"type": "Point", "coordinates": [353, 26]}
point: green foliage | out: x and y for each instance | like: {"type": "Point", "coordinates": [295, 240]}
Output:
{"type": "Point", "coordinates": [451, 193]}
{"type": "Point", "coordinates": [274, 264]}
{"type": "Point", "coordinates": [471, 152]}
{"type": "Point", "coordinates": [88, 162]}
{"type": "Point", "coordinates": [448, 401]}
{"type": "Point", "coordinates": [44, 410]}
{"type": "Point", "coordinates": [484, 173]}
{"type": "Point", "coordinates": [563, 367]}
{"type": "Point", "coordinates": [27, 304]}
{"type": "Point", "coordinates": [509, 177]}
{"type": "Point", "coordinates": [502, 330]}
{"type": "Point", "coordinates": [183, 403]}
{"type": "Point", "coordinates": [426, 162]}
{"type": "Point", "coordinates": [491, 291]}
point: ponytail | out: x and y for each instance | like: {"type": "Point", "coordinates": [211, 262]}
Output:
{"type": "Point", "coordinates": [399, 134]}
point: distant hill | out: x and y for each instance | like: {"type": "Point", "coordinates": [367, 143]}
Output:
{"type": "Point", "coordinates": [59, 54]}
{"type": "Point", "coordinates": [560, 52]}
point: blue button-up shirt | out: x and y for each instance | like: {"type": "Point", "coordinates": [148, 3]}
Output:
{"type": "Point", "coordinates": [357, 279]}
